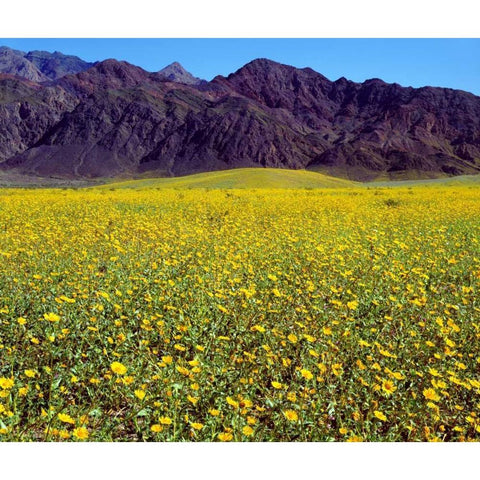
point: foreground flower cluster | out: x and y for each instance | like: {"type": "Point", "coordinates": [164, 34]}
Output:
{"type": "Point", "coordinates": [240, 315]}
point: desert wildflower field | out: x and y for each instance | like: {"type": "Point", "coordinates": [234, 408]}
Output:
{"type": "Point", "coordinates": [160, 314]}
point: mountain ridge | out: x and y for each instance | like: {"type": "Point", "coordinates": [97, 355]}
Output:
{"type": "Point", "coordinates": [115, 117]}
{"type": "Point", "coordinates": [40, 66]}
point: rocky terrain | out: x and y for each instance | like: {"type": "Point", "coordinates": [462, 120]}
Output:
{"type": "Point", "coordinates": [40, 66]}
{"type": "Point", "coordinates": [63, 118]}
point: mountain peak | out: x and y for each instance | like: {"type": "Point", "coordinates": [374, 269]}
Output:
{"type": "Point", "coordinates": [265, 63]}
{"type": "Point", "coordinates": [271, 72]}
{"type": "Point", "coordinates": [14, 62]}
{"type": "Point", "coordinates": [108, 74]}
{"type": "Point", "coordinates": [374, 81]}
{"type": "Point", "coordinates": [113, 65]}
{"type": "Point", "coordinates": [262, 61]}
{"type": "Point", "coordinates": [7, 50]}
{"type": "Point", "coordinates": [260, 64]}
{"type": "Point", "coordinates": [275, 84]}
{"type": "Point", "coordinates": [55, 65]}
{"type": "Point", "coordinates": [39, 66]}
{"type": "Point", "coordinates": [176, 73]}
{"type": "Point", "coordinates": [176, 65]}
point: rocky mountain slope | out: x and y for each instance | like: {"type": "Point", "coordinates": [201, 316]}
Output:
{"type": "Point", "coordinates": [39, 66]}
{"type": "Point", "coordinates": [115, 118]}
{"type": "Point", "coordinates": [13, 62]}
{"type": "Point", "coordinates": [55, 65]}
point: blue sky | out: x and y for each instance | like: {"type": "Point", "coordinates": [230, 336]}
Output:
{"type": "Point", "coordinates": [453, 63]}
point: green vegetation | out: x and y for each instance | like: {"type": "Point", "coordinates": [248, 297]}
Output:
{"type": "Point", "coordinates": [241, 178]}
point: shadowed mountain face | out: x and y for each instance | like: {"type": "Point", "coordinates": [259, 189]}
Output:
{"type": "Point", "coordinates": [116, 118]}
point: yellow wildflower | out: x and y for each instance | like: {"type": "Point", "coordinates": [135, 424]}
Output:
{"type": "Point", "coordinates": [388, 387]}
{"type": "Point", "coordinates": [63, 417]}
{"type": "Point", "coordinates": [51, 317]}
{"type": "Point", "coordinates": [431, 394]}
{"type": "Point", "coordinates": [81, 433]}
{"type": "Point", "coordinates": [291, 415]}
{"type": "Point", "coordinates": [6, 383]}
{"type": "Point", "coordinates": [232, 402]}
{"type": "Point", "coordinates": [118, 368]}
{"type": "Point", "coordinates": [380, 415]}
{"type": "Point", "coordinates": [293, 338]}
{"type": "Point", "coordinates": [306, 374]}
{"type": "Point", "coordinates": [140, 394]}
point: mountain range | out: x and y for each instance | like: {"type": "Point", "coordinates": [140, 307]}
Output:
{"type": "Point", "coordinates": [61, 116]}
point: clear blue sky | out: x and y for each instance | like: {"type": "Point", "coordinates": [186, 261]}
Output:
{"type": "Point", "coordinates": [453, 63]}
